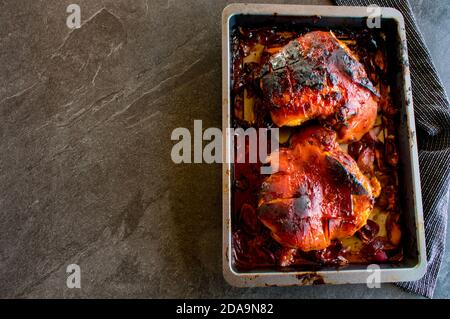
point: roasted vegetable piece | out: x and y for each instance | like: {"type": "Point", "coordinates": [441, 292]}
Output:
{"type": "Point", "coordinates": [318, 194]}
{"type": "Point", "coordinates": [250, 250]}
{"type": "Point", "coordinates": [332, 255]}
{"type": "Point", "coordinates": [393, 228]}
{"type": "Point", "coordinates": [317, 76]}
{"type": "Point", "coordinates": [374, 250]}
{"type": "Point", "coordinates": [368, 231]}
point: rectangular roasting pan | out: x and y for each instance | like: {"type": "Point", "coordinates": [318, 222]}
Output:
{"type": "Point", "coordinates": [414, 264]}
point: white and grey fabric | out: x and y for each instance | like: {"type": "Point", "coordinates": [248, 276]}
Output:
{"type": "Point", "coordinates": [432, 114]}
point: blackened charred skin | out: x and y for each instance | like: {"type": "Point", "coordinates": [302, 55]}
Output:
{"type": "Point", "coordinates": [275, 83]}
{"type": "Point", "coordinates": [342, 175]}
{"type": "Point", "coordinates": [279, 216]}
{"type": "Point", "coordinates": [278, 61]}
{"type": "Point", "coordinates": [333, 79]}
{"type": "Point", "coordinates": [365, 82]}
{"type": "Point", "coordinates": [353, 69]}
{"type": "Point", "coordinates": [290, 63]}
{"type": "Point", "coordinates": [306, 74]}
{"type": "Point", "coordinates": [293, 52]}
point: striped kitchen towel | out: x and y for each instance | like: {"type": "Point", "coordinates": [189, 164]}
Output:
{"type": "Point", "coordinates": [432, 113]}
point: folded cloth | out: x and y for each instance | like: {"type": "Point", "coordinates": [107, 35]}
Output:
{"type": "Point", "coordinates": [432, 113]}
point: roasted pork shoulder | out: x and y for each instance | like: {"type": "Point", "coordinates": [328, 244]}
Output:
{"type": "Point", "coordinates": [318, 194]}
{"type": "Point", "coordinates": [317, 77]}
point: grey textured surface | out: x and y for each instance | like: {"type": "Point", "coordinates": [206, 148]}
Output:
{"type": "Point", "coordinates": [85, 169]}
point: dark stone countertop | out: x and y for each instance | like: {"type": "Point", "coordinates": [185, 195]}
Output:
{"type": "Point", "coordinates": [85, 172]}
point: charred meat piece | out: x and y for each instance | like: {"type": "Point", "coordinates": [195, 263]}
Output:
{"type": "Point", "coordinates": [318, 194]}
{"type": "Point", "coordinates": [317, 77]}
